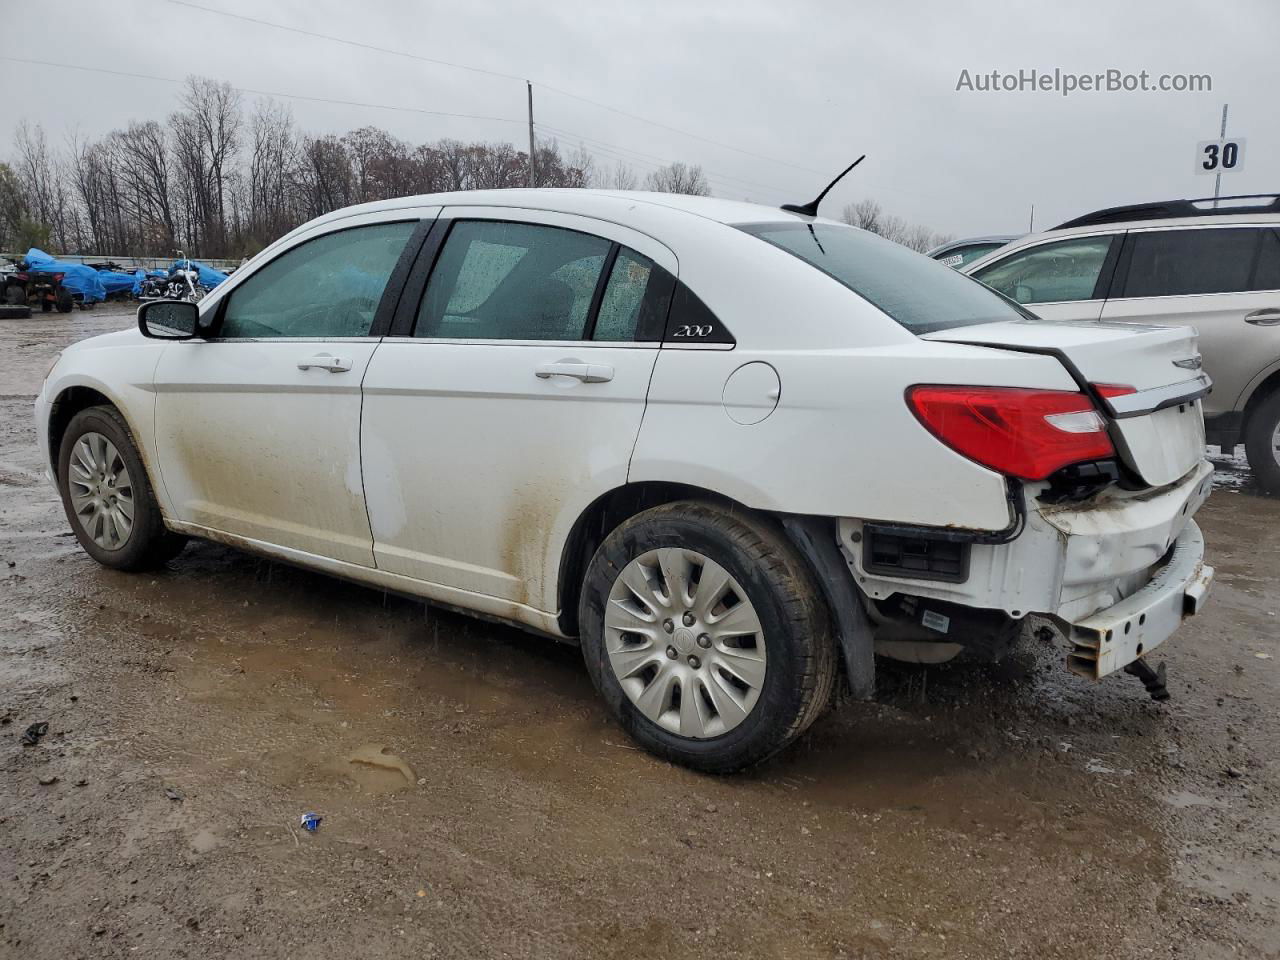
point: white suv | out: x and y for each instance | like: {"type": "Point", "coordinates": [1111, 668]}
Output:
{"type": "Point", "coordinates": [1180, 261]}
{"type": "Point", "coordinates": [732, 451]}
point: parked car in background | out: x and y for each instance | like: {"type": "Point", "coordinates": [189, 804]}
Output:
{"type": "Point", "coordinates": [1177, 261]}
{"type": "Point", "coordinates": [957, 253]}
{"type": "Point", "coordinates": [732, 451]}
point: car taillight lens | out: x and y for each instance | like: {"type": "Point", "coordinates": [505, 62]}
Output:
{"type": "Point", "coordinates": [1114, 389]}
{"type": "Point", "coordinates": [1019, 432]}
{"type": "Point", "coordinates": [57, 277]}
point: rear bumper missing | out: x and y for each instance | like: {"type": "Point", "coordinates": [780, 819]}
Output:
{"type": "Point", "coordinates": [1112, 638]}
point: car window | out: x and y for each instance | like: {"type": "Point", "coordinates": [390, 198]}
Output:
{"type": "Point", "coordinates": [1051, 272]}
{"type": "Point", "coordinates": [1170, 263]}
{"type": "Point", "coordinates": [624, 297]}
{"type": "Point", "coordinates": [1266, 276]}
{"type": "Point", "coordinates": [957, 257]}
{"type": "Point", "coordinates": [496, 280]}
{"type": "Point", "coordinates": [327, 287]}
{"type": "Point", "coordinates": [920, 294]}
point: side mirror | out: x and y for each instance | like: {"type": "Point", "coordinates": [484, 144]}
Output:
{"type": "Point", "coordinates": [169, 319]}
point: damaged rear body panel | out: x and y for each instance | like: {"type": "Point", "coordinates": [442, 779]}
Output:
{"type": "Point", "coordinates": [1123, 558]}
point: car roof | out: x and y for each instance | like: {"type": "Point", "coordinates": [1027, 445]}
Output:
{"type": "Point", "coordinates": [606, 204]}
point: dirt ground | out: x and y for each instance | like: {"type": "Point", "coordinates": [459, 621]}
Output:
{"type": "Point", "coordinates": [478, 803]}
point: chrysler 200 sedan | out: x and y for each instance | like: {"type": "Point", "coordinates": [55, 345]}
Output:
{"type": "Point", "coordinates": [734, 452]}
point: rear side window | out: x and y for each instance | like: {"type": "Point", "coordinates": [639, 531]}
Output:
{"type": "Point", "coordinates": [1059, 272]}
{"type": "Point", "coordinates": [1267, 274]}
{"type": "Point", "coordinates": [327, 287]}
{"type": "Point", "coordinates": [496, 280]}
{"type": "Point", "coordinates": [1171, 263]}
{"type": "Point", "coordinates": [920, 294]}
{"type": "Point", "coordinates": [635, 301]}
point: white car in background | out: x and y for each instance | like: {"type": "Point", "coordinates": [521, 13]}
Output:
{"type": "Point", "coordinates": [731, 451]}
{"type": "Point", "coordinates": [958, 253]}
{"type": "Point", "coordinates": [1212, 265]}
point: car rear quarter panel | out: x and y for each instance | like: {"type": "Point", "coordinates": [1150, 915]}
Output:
{"type": "Point", "coordinates": [842, 441]}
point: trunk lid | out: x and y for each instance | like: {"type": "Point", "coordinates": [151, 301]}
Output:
{"type": "Point", "coordinates": [1158, 430]}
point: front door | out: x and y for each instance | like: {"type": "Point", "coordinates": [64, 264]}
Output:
{"type": "Point", "coordinates": [258, 427]}
{"type": "Point", "coordinates": [1058, 280]}
{"type": "Point", "coordinates": [512, 400]}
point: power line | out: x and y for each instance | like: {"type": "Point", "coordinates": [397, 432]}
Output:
{"type": "Point", "coordinates": [646, 166]}
{"type": "Point", "coordinates": [607, 147]}
{"type": "Point", "coordinates": [493, 73]}
{"type": "Point", "coordinates": [263, 93]}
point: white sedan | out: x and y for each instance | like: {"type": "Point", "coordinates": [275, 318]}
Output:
{"type": "Point", "coordinates": [732, 451]}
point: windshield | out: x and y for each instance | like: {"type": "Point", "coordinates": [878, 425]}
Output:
{"type": "Point", "coordinates": [958, 257]}
{"type": "Point", "coordinates": [920, 294]}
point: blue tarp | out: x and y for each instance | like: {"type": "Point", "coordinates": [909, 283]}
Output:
{"type": "Point", "coordinates": [116, 282]}
{"type": "Point", "coordinates": [209, 277]}
{"type": "Point", "coordinates": [76, 277]}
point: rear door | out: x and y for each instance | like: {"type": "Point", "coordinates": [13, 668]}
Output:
{"type": "Point", "coordinates": [509, 398]}
{"type": "Point", "coordinates": [1222, 280]}
{"type": "Point", "coordinates": [258, 426]}
{"type": "Point", "coordinates": [1064, 279]}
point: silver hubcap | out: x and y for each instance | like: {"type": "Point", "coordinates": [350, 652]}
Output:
{"type": "Point", "coordinates": [685, 642]}
{"type": "Point", "coordinates": [1275, 443]}
{"type": "Point", "coordinates": [101, 491]}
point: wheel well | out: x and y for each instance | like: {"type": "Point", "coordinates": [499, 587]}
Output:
{"type": "Point", "coordinates": [1264, 390]}
{"type": "Point", "coordinates": [68, 403]}
{"type": "Point", "coordinates": [605, 515]}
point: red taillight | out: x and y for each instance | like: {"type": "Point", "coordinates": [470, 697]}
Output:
{"type": "Point", "coordinates": [1114, 389]}
{"type": "Point", "coordinates": [1020, 432]}
{"type": "Point", "coordinates": [57, 277]}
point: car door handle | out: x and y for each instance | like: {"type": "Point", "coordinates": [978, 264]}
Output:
{"type": "Point", "coordinates": [1268, 317]}
{"type": "Point", "coordinates": [323, 361]}
{"type": "Point", "coordinates": [586, 372]}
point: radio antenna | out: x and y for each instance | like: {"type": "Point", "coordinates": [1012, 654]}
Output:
{"type": "Point", "coordinates": [810, 209]}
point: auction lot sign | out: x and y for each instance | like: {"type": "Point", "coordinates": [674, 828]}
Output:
{"type": "Point", "coordinates": [1220, 156]}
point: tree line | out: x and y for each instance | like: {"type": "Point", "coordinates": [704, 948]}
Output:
{"type": "Point", "coordinates": [222, 178]}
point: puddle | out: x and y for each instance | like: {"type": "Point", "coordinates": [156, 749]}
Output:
{"type": "Point", "coordinates": [1184, 799]}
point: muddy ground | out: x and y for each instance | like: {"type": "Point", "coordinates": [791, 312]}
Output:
{"type": "Point", "coordinates": [477, 802]}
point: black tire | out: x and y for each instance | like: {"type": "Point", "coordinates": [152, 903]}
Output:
{"type": "Point", "coordinates": [801, 656]}
{"type": "Point", "coordinates": [14, 295]}
{"type": "Point", "coordinates": [1259, 447]}
{"type": "Point", "coordinates": [64, 301]}
{"type": "Point", "coordinates": [149, 543]}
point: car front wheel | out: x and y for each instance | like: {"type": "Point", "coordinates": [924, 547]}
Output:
{"type": "Point", "coordinates": [706, 635]}
{"type": "Point", "coordinates": [1262, 443]}
{"type": "Point", "coordinates": [107, 495]}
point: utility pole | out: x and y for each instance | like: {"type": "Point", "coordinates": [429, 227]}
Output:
{"type": "Point", "coordinates": [533, 173]}
{"type": "Point", "coordinates": [1032, 227]}
{"type": "Point", "coordinates": [1217, 180]}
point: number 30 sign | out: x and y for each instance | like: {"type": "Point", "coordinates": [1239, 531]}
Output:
{"type": "Point", "coordinates": [1220, 156]}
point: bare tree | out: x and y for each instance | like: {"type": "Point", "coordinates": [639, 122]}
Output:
{"type": "Point", "coordinates": [324, 178]}
{"type": "Point", "coordinates": [206, 134]}
{"type": "Point", "coordinates": [868, 215]}
{"type": "Point", "coordinates": [679, 178]}
{"type": "Point", "coordinates": [273, 156]}
{"type": "Point", "coordinates": [622, 177]}
{"type": "Point", "coordinates": [41, 181]}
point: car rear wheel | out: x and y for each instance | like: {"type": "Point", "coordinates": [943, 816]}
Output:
{"type": "Point", "coordinates": [1262, 443]}
{"type": "Point", "coordinates": [107, 496]}
{"type": "Point", "coordinates": [706, 635]}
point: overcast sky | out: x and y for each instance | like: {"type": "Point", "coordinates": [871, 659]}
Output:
{"type": "Point", "coordinates": [812, 84]}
